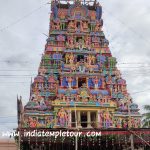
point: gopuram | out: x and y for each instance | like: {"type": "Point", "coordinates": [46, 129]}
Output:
{"type": "Point", "coordinates": [78, 86]}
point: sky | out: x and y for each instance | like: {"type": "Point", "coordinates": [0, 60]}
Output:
{"type": "Point", "coordinates": [23, 29]}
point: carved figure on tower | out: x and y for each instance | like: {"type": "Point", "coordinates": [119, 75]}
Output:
{"type": "Point", "coordinates": [62, 118]}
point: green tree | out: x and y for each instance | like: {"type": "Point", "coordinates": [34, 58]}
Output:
{"type": "Point", "coordinates": [146, 116]}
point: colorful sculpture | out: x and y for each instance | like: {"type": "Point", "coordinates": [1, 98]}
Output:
{"type": "Point", "coordinates": [78, 74]}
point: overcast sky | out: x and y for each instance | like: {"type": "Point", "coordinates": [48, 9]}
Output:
{"type": "Point", "coordinates": [22, 24]}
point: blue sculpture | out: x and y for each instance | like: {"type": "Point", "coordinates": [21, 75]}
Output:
{"type": "Point", "coordinates": [98, 12]}
{"type": "Point", "coordinates": [55, 11]}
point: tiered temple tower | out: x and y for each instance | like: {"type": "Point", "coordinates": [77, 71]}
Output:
{"type": "Point", "coordinates": [78, 84]}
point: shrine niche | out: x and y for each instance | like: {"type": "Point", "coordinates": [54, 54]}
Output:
{"type": "Point", "coordinates": [78, 11]}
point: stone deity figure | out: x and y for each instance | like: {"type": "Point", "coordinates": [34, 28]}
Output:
{"type": "Point", "coordinates": [32, 122]}
{"type": "Point", "coordinates": [98, 11]}
{"type": "Point", "coordinates": [87, 42]}
{"type": "Point", "coordinates": [55, 10]}
{"type": "Point", "coordinates": [108, 120]}
{"type": "Point", "coordinates": [82, 68]}
{"type": "Point", "coordinates": [93, 59]}
{"type": "Point", "coordinates": [101, 116]}
{"type": "Point", "coordinates": [70, 42]}
{"type": "Point", "coordinates": [80, 44]}
{"type": "Point", "coordinates": [85, 26]}
{"type": "Point", "coordinates": [89, 58]}
{"type": "Point", "coordinates": [71, 58]}
{"type": "Point", "coordinates": [71, 25]}
{"type": "Point", "coordinates": [57, 26]}
{"type": "Point", "coordinates": [96, 82]}
{"type": "Point", "coordinates": [62, 117]}
{"type": "Point", "coordinates": [42, 71]}
{"type": "Point", "coordinates": [97, 27]}
{"type": "Point", "coordinates": [93, 15]}
{"type": "Point", "coordinates": [103, 83]}
{"type": "Point", "coordinates": [125, 124]}
{"type": "Point", "coordinates": [67, 58]}
{"type": "Point", "coordinates": [49, 122]}
{"type": "Point", "coordinates": [64, 98]}
{"type": "Point", "coordinates": [109, 80]}
{"type": "Point", "coordinates": [69, 79]}
{"type": "Point", "coordinates": [119, 123]}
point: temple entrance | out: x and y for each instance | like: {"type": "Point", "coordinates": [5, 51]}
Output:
{"type": "Point", "coordinates": [80, 58]}
{"type": "Point", "coordinates": [81, 81]}
{"type": "Point", "coordinates": [93, 119]}
{"type": "Point", "coordinates": [84, 119]}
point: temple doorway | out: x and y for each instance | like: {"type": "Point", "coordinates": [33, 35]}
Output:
{"type": "Point", "coordinates": [80, 58]}
{"type": "Point", "coordinates": [84, 119]}
{"type": "Point", "coordinates": [81, 82]}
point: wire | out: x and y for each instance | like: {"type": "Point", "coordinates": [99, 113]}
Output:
{"type": "Point", "coordinates": [130, 28]}
{"type": "Point", "coordinates": [8, 122]}
{"type": "Point", "coordinates": [140, 91]}
{"type": "Point", "coordinates": [17, 75]}
{"type": "Point", "coordinates": [22, 18]}
{"type": "Point", "coordinates": [7, 116]}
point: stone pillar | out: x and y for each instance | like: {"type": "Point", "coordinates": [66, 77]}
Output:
{"type": "Point", "coordinates": [70, 120]}
{"type": "Point", "coordinates": [89, 119]}
{"type": "Point", "coordinates": [98, 119]}
{"type": "Point", "coordinates": [61, 79]}
{"type": "Point", "coordinates": [87, 79]}
{"type": "Point", "coordinates": [79, 119]}
{"type": "Point", "coordinates": [76, 82]}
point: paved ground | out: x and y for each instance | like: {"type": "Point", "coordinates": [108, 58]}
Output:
{"type": "Point", "coordinates": [7, 144]}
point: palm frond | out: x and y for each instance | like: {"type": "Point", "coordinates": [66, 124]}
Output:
{"type": "Point", "coordinates": [146, 124]}
{"type": "Point", "coordinates": [147, 107]}
{"type": "Point", "coordinates": [146, 114]}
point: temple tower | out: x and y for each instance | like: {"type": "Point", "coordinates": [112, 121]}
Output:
{"type": "Point", "coordinates": [78, 84]}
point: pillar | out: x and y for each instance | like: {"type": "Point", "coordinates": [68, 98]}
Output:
{"type": "Point", "coordinates": [76, 82]}
{"type": "Point", "coordinates": [79, 119]}
{"type": "Point", "coordinates": [70, 120]}
{"type": "Point", "coordinates": [98, 119]}
{"type": "Point", "coordinates": [89, 119]}
{"type": "Point", "coordinates": [87, 79]}
{"type": "Point", "coordinates": [61, 80]}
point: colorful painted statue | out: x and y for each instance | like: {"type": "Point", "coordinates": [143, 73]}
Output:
{"type": "Point", "coordinates": [82, 67]}
{"type": "Point", "coordinates": [71, 58]}
{"type": "Point", "coordinates": [50, 122]}
{"type": "Point", "coordinates": [112, 62]}
{"type": "Point", "coordinates": [103, 83]}
{"type": "Point", "coordinates": [108, 120]}
{"type": "Point", "coordinates": [96, 82]}
{"type": "Point", "coordinates": [78, 69]}
{"type": "Point", "coordinates": [55, 10]}
{"type": "Point", "coordinates": [32, 122]}
{"type": "Point", "coordinates": [62, 117]}
{"type": "Point", "coordinates": [101, 119]}
{"type": "Point", "coordinates": [67, 58]}
{"type": "Point", "coordinates": [57, 26]}
{"type": "Point", "coordinates": [98, 12]}
{"type": "Point", "coordinates": [69, 79]}
{"type": "Point", "coordinates": [97, 27]}
{"type": "Point", "coordinates": [85, 26]}
{"type": "Point", "coordinates": [70, 42]}
{"type": "Point", "coordinates": [71, 25]}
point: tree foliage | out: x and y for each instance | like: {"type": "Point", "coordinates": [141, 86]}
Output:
{"type": "Point", "coordinates": [146, 116]}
